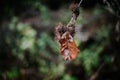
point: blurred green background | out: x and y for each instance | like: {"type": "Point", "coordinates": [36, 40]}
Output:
{"type": "Point", "coordinates": [28, 50]}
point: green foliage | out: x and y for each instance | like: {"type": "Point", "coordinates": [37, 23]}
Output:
{"type": "Point", "coordinates": [90, 57]}
{"type": "Point", "coordinates": [24, 39]}
{"type": "Point", "coordinates": [103, 33]}
{"type": "Point", "coordinates": [46, 41]}
{"type": "Point", "coordinates": [45, 17]}
{"type": "Point", "coordinates": [12, 74]}
{"type": "Point", "coordinates": [68, 77]}
{"type": "Point", "coordinates": [42, 49]}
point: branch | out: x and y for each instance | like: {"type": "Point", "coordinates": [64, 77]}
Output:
{"type": "Point", "coordinates": [70, 27]}
{"type": "Point", "coordinates": [95, 75]}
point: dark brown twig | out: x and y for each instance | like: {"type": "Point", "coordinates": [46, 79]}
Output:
{"type": "Point", "coordinates": [95, 75]}
{"type": "Point", "coordinates": [70, 27]}
{"type": "Point", "coordinates": [75, 9]}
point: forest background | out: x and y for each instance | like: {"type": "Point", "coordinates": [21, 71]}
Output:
{"type": "Point", "coordinates": [28, 50]}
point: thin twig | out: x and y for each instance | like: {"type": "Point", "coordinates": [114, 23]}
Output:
{"type": "Point", "coordinates": [80, 3]}
{"type": "Point", "coordinates": [108, 4]}
{"type": "Point", "coordinates": [95, 75]}
{"type": "Point", "coordinates": [74, 16]}
{"type": "Point", "coordinates": [110, 8]}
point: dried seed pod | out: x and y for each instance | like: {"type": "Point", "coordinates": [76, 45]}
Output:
{"type": "Point", "coordinates": [59, 30]}
{"type": "Point", "coordinates": [71, 29]}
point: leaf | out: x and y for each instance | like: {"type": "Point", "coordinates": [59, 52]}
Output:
{"type": "Point", "coordinates": [68, 49]}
